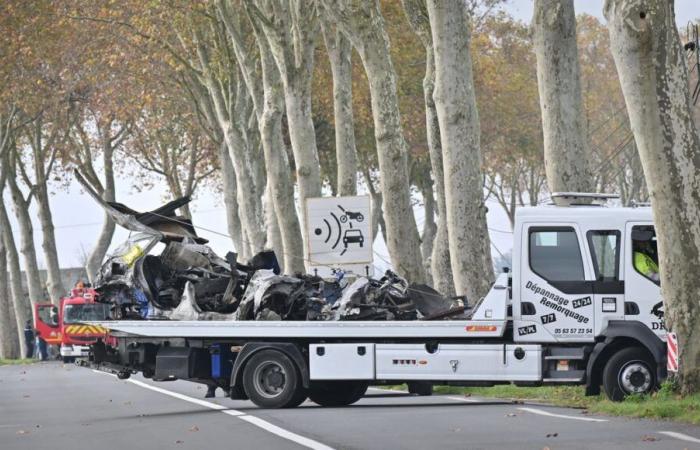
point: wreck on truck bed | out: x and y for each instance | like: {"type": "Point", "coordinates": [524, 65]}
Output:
{"type": "Point", "coordinates": [574, 310]}
{"type": "Point", "coordinates": [165, 271]}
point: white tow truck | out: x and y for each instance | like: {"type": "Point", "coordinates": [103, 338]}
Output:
{"type": "Point", "coordinates": [576, 308]}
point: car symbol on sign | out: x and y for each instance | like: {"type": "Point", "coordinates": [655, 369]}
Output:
{"type": "Point", "coordinates": [353, 236]}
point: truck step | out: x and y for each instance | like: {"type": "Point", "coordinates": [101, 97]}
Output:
{"type": "Point", "coordinates": [562, 380]}
{"type": "Point", "coordinates": [570, 353]}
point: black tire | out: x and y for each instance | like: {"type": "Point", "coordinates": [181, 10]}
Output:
{"type": "Point", "coordinates": [68, 359]}
{"type": "Point", "coordinates": [422, 388]}
{"type": "Point", "coordinates": [629, 371]}
{"type": "Point", "coordinates": [337, 393]}
{"type": "Point", "coordinates": [271, 380]}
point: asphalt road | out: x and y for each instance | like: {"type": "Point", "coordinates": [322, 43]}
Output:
{"type": "Point", "coordinates": [52, 406]}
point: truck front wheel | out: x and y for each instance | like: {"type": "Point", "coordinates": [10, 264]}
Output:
{"type": "Point", "coordinates": [271, 380]}
{"type": "Point", "coordinates": [629, 371]}
{"type": "Point", "coordinates": [337, 393]}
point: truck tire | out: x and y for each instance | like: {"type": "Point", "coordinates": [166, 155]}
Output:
{"type": "Point", "coordinates": [629, 371]}
{"type": "Point", "coordinates": [271, 380]}
{"type": "Point", "coordinates": [337, 393]}
{"type": "Point", "coordinates": [422, 388]}
{"type": "Point", "coordinates": [68, 359]}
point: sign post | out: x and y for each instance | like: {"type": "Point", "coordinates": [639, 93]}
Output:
{"type": "Point", "coordinates": [339, 235]}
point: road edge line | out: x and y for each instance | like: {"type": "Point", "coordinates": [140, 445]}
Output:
{"type": "Point", "coordinates": [561, 416]}
{"type": "Point", "coordinates": [253, 420]}
{"type": "Point", "coordinates": [681, 436]}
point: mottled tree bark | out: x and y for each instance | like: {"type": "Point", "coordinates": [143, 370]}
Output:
{"type": "Point", "coordinates": [291, 28]}
{"type": "Point", "coordinates": [267, 94]}
{"type": "Point", "coordinates": [440, 266]}
{"type": "Point", "coordinates": [653, 74]}
{"type": "Point", "coordinates": [455, 101]}
{"type": "Point", "coordinates": [274, 235]}
{"type": "Point", "coordinates": [229, 186]}
{"type": "Point", "coordinates": [27, 248]}
{"type": "Point", "coordinates": [231, 109]}
{"type": "Point", "coordinates": [363, 23]}
{"type": "Point", "coordinates": [339, 51]}
{"type": "Point", "coordinates": [9, 338]}
{"type": "Point", "coordinates": [19, 304]}
{"type": "Point", "coordinates": [565, 155]}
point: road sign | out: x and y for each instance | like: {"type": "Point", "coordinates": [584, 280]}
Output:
{"type": "Point", "coordinates": [339, 235]}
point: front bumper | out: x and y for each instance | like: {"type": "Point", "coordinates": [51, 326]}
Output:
{"type": "Point", "coordinates": [74, 350]}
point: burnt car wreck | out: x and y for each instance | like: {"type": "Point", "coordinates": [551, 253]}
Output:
{"type": "Point", "coordinates": [165, 271]}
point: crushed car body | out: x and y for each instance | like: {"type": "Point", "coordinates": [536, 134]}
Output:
{"type": "Point", "coordinates": [165, 271]}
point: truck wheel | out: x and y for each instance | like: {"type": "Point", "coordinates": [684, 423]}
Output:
{"type": "Point", "coordinates": [337, 393]}
{"type": "Point", "coordinates": [629, 371]}
{"type": "Point", "coordinates": [68, 359]}
{"type": "Point", "coordinates": [271, 380]}
{"type": "Point", "coordinates": [422, 388]}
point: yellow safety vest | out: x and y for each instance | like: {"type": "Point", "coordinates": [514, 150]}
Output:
{"type": "Point", "coordinates": [645, 264]}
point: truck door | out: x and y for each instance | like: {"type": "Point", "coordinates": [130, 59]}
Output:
{"type": "Point", "coordinates": [46, 323]}
{"type": "Point", "coordinates": [556, 300]}
{"type": "Point", "coordinates": [605, 248]}
{"type": "Point", "coordinates": [642, 285]}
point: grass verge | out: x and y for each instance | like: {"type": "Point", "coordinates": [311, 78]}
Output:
{"type": "Point", "coordinates": [664, 404]}
{"type": "Point", "coordinates": [9, 362]}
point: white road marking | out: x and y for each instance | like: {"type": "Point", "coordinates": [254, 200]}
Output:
{"type": "Point", "coordinates": [258, 422]}
{"type": "Point", "coordinates": [681, 436]}
{"type": "Point", "coordinates": [281, 432]}
{"type": "Point", "coordinates": [464, 399]}
{"type": "Point", "coordinates": [179, 396]}
{"type": "Point", "coordinates": [561, 416]}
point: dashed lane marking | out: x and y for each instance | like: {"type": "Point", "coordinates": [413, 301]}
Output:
{"type": "Point", "coordinates": [258, 422]}
{"type": "Point", "coordinates": [561, 416]}
{"type": "Point", "coordinates": [681, 436]}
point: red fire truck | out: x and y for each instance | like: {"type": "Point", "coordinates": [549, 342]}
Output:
{"type": "Point", "coordinates": [63, 325]}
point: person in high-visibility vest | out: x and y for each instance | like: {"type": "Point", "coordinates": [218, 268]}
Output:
{"type": "Point", "coordinates": [645, 264]}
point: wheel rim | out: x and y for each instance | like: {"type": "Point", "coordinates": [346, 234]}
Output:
{"type": "Point", "coordinates": [635, 377]}
{"type": "Point", "coordinates": [269, 379]}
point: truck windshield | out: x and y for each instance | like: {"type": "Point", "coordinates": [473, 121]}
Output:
{"type": "Point", "coordinates": [85, 313]}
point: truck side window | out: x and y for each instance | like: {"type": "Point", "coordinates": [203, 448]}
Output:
{"type": "Point", "coordinates": [605, 251]}
{"type": "Point", "coordinates": [555, 254]}
{"type": "Point", "coordinates": [645, 256]}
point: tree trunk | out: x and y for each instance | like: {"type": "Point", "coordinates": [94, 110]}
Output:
{"type": "Point", "coordinates": [104, 239]}
{"type": "Point", "coordinates": [278, 169]}
{"type": "Point", "coordinates": [31, 268]}
{"type": "Point", "coordinates": [229, 186]}
{"type": "Point", "coordinates": [48, 244]}
{"type": "Point", "coordinates": [19, 303]}
{"type": "Point", "coordinates": [429, 230]}
{"type": "Point", "coordinates": [363, 23]}
{"type": "Point", "coordinates": [230, 112]}
{"type": "Point", "coordinates": [565, 155]}
{"type": "Point", "coordinates": [291, 28]}
{"type": "Point", "coordinates": [651, 65]}
{"type": "Point", "coordinates": [274, 235]}
{"type": "Point", "coordinates": [9, 343]}
{"type": "Point", "coordinates": [340, 56]}
{"type": "Point", "coordinates": [455, 102]}
{"type": "Point", "coordinates": [440, 266]}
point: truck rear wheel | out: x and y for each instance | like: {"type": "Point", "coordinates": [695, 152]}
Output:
{"type": "Point", "coordinates": [271, 380]}
{"type": "Point", "coordinates": [629, 371]}
{"type": "Point", "coordinates": [337, 393]}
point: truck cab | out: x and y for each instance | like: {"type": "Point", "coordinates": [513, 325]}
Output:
{"type": "Point", "coordinates": [65, 326]}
